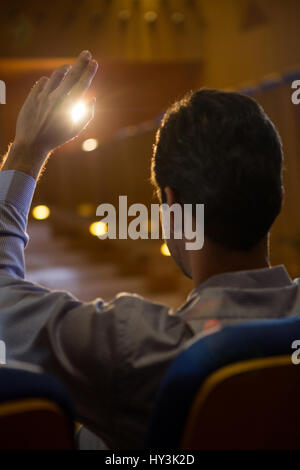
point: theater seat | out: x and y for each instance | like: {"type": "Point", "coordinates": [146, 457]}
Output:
{"type": "Point", "coordinates": [234, 389]}
{"type": "Point", "coordinates": [35, 411]}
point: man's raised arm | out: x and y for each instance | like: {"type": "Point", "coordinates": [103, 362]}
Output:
{"type": "Point", "coordinates": [43, 124]}
{"type": "Point", "coordinates": [51, 329]}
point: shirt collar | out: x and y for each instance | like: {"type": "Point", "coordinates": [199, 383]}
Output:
{"type": "Point", "coordinates": [254, 278]}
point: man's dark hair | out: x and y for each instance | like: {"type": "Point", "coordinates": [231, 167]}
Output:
{"type": "Point", "coordinates": [220, 149]}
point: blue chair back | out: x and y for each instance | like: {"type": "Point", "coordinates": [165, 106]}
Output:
{"type": "Point", "coordinates": [35, 411]}
{"type": "Point", "coordinates": [235, 389]}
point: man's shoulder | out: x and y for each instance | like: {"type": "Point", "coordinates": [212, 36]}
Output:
{"type": "Point", "coordinates": [129, 304]}
{"type": "Point", "coordinates": [140, 313]}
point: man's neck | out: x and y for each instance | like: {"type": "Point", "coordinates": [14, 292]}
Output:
{"type": "Point", "coordinates": [212, 260]}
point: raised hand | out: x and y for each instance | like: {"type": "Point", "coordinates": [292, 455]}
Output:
{"type": "Point", "coordinates": [44, 122]}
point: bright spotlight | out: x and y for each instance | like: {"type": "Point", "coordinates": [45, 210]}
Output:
{"type": "Point", "coordinates": [78, 112]}
{"type": "Point", "coordinates": [165, 250]}
{"type": "Point", "coordinates": [89, 145]}
{"type": "Point", "coordinates": [98, 229]}
{"type": "Point", "coordinates": [41, 212]}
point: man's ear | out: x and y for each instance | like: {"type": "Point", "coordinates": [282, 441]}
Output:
{"type": "Point", "coordinates": [170, 196]}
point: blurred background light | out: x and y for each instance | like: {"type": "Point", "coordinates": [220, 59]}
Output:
{"type": "Point", "coordinates": [78, 112]}
{"type": "Point", "coordinates": [86, 209]}
{"type": "Point", "coordinates": [41, 212]}
{"type": "Point", "coordinates": [177, 17]}
{"type": "Point", "coordinates": [89, 145]}
{"type": "Point", "coordinates": [98, 229]}
{"type": "Point", "coordinates": [124, 15]}
{"type": "Point", "coordinates": [165, 250]}
{"type": "Point", "coordinates": [151, 17]}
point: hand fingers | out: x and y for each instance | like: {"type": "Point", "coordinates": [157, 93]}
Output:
{"type": "Point", "coordinates": [84, 82]}
{"type": "Point", "coordinates": [74, 75]}
{"type": "Point", "coordinates": [56, 78]}
{"type": "Point", "coordinates": [37, 88]}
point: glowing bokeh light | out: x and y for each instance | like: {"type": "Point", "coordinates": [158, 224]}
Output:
{"type": "Point", "coordinates": [98, 229]}
{"type": "Point", "coordinates": [78, 112]}
{"type": "Point", "coordinates": [41, 212]}
{"type": "Point", "coordinates": [89, 145]}
{"type": "Point", "coordinates": [151, 16]}
{"type": "Point", "coordinates": [165, 250]}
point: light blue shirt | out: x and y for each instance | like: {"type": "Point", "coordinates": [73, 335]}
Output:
{"type": "Point", "coordinates": [112, 355]}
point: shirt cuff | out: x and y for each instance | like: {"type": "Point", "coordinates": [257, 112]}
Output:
{"type": "Point", "coordinates": [17, 188]}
